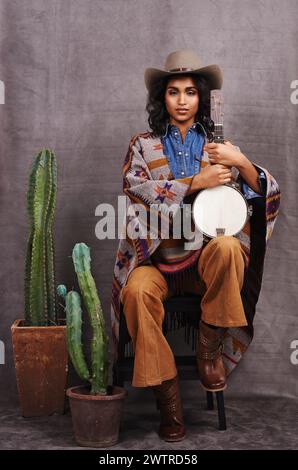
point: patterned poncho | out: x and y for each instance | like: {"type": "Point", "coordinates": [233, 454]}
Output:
{"type": "Point", "coordinates": [147, 180]}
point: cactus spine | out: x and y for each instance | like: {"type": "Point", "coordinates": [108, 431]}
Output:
{"type": "Point", "coordinates": [99, 344]}
{"type": "Point", "coordinates": [40, 302]}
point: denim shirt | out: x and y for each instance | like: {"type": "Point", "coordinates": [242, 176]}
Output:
{"type": "Point", "coordinates": [184, 158]}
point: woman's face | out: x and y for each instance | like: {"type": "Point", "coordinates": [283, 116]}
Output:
{"type": "Point", "coordinates": [182, 94]}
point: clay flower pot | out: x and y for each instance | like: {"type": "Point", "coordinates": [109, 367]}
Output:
{"type": "Point", "coordinates": [96, 418]}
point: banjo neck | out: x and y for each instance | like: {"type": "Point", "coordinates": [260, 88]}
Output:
{"type": "Point", "coordinates": [216, 114]}
{"type": "Point", "coordinates": [218, 136]}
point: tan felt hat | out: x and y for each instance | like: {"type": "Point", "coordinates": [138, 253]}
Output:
{"type": "Point", "coordinates": [185, 60]}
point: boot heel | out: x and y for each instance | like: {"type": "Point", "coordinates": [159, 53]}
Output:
{"type": "Point", "coordinates": [219, 389]}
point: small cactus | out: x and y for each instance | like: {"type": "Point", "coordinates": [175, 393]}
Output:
{"type": "Point", "coordinates": [99, 345]}
{"type": "Point", "coordinates": [74, 330]}
{"type": "Point", "coordinates": [40, 301]}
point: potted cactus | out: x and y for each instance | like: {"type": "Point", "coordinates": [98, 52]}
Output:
{"type": "Point", "coordinates": [39, 342]}
{"type": "Point", "coordinates": [95, 408]}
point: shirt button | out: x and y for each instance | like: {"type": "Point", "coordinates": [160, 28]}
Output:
{"type": "Point", "coordinates": [176, 133]}
{"type": "Point", "coordinates": [179, 153]}
{"type": "Point", "coordinates": [186, 154]}
{"type": "Point", "coordinates": [182, 172]}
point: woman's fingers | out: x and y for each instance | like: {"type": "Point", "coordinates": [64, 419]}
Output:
{"type": "Point", "coordinates": [226, 176]}
{"type": "Point", "coordinates": [226, 180]}
{"type": "Point", "coordinates": [225, 172]}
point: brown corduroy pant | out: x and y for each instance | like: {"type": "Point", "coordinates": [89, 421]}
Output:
{"type": "Point", "coordinates": [221, 272]}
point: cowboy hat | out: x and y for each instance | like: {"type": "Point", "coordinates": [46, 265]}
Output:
{"type": "Point", "coordinates": [185, 61]}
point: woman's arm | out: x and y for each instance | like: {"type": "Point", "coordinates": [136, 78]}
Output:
{"type": "Point", "coordinates": [249, 174]}
{"type": "Point", "coordinates": [228, 154]}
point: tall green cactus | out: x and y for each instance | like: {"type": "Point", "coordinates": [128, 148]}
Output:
{"type": "Point", "coordinates": [99, 345]}
{"type": "Point", "coordinates": [40, 302]}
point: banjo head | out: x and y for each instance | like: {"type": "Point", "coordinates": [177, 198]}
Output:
{"type": "Point", "coordinates": [221, 210]}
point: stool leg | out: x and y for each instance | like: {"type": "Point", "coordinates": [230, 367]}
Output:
{"type": "Point", "coordinates": [117, 376]}
{"type": "Point", "coordinates": [222, 426]}
{"type": "Point", "coordinates": [209, 397]}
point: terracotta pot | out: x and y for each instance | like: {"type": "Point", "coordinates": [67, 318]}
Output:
{"type": "Point", "coordinates": [41, 363]}
{"type": "Point", "coordinates": [96, 418]}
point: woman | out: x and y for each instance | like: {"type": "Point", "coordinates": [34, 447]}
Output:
{"type": "Point", "coordinates": [167, 166]}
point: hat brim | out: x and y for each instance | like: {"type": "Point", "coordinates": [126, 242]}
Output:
{"type": "Point", "coordinates": [212, 73]}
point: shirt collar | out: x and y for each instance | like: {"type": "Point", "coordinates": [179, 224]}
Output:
{"type": "Point", "coordinates": [195, 125]}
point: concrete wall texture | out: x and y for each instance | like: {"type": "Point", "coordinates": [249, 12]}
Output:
{"type": "Point", "coordinates": [73, 75]}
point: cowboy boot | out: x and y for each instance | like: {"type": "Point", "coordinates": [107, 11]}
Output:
{"type": "Point", "coordinates": [209, 359]}
{"type": "Point", "coordinates": [171, 427]}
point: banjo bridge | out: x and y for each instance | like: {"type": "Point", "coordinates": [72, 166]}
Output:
{"type": "Point", "coordinates": [220, 231]}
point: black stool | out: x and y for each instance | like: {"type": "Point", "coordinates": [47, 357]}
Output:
{"type": "Point", "coordinates": [181, 306]}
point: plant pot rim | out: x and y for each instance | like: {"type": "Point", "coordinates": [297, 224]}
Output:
{"type": "Point", "coordinates": [19, 325]}
{"type": "Point", "coordinates": [74, 393]}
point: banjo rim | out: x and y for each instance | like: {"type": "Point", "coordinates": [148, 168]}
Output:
{"type": "Point", "coordinates": [229, 186]}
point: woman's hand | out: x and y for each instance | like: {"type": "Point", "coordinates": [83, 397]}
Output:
{"type": "Point", "coordinates": [214, 175]}
{"type": "Point", "coordinates": [224, 154]}
{"type": "Point", "coordinates": [210, 176]}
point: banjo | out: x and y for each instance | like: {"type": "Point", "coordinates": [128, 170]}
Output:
{"type": "Point", "coordinates": [221, 210]}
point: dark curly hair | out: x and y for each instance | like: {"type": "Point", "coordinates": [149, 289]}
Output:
{"type": "Point", "coordinates": [158, 114]}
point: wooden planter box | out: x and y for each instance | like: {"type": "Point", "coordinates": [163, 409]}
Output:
{"type": "Point", "coordinates": [41, 363]}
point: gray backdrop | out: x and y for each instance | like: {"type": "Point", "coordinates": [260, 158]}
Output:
{"type": "Point", "coordinates": [73, 72]}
